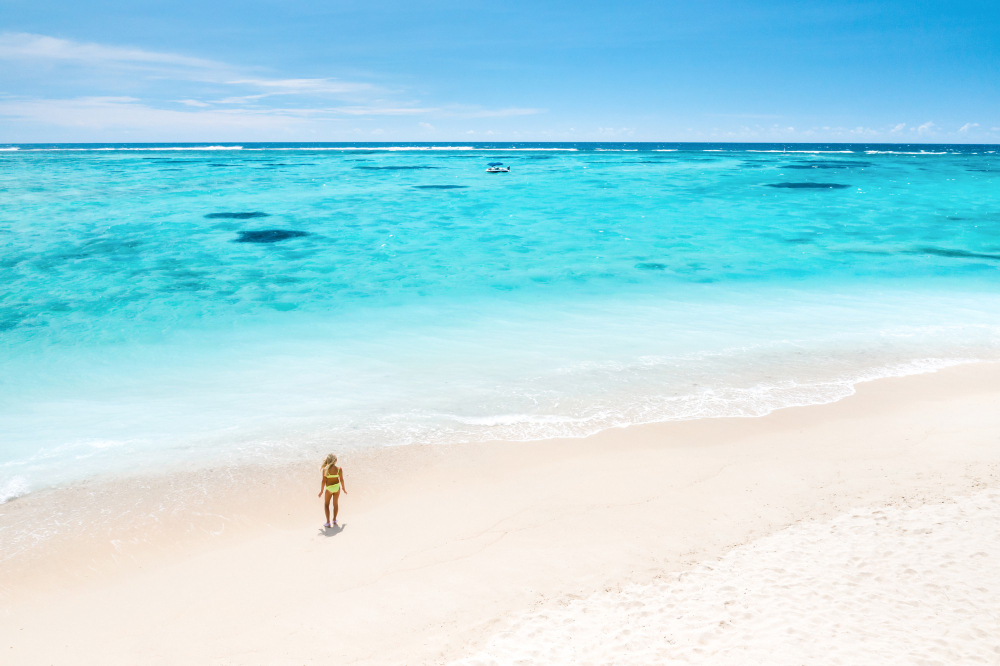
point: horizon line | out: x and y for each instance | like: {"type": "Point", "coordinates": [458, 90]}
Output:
{"type": "Point", "coordinates": [464, 142]}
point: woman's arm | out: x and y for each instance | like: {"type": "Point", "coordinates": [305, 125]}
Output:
{"type": "Point", "coordinates": [342, 486]}
{"type": "Point", "coordinates": [322, 482]}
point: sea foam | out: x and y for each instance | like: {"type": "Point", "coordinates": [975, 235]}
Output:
{"type": "Point", "coordinates": [13, 488]}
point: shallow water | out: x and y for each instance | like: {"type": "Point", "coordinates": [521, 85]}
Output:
{"type": "Point", "coordinates": [174, 306]}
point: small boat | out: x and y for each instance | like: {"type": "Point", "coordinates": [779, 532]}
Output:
{"type": "Point", "coordinates": [497, 167]}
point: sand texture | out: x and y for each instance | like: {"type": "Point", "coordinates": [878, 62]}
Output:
{"type": "Point", "coordinates": [880, 586]}
{"type": "Point", "coordinates": [443, 548]}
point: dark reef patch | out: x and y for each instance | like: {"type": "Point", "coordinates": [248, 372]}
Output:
{"type": "Point", "coordinates": [236, 216]}
{"type": "Point", "coordinates": [955, 254]}
{"type": "Point", "coordinates": [441, 187]}
{"type": "Point", "coordinates": [651, 266]}
{"type": "Point", "coordinates": [879, 253]}
{"type": "Point", "coordinates": [809, 186]}
{"type": "Point", "coordinates": [269, 235]}
{"type": "Point", "coordinates": [394, 168]}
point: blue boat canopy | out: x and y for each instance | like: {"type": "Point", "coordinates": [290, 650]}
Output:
{"type": "Point", "coordinates": [495, 164]}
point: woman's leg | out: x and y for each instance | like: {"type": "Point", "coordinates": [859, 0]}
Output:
{"type": "Point", "coordinates": [326, 505]}
{"type": "Point", "coordinates": [336, 505]}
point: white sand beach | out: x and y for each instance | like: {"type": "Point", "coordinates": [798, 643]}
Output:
{"type": "Point", "coordinates": [896, 585]}
{"type": "Point", "coordinates": [859, 532]}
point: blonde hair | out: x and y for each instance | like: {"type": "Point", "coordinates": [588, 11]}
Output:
{"type": "Point", "coordinates": [330, 460]}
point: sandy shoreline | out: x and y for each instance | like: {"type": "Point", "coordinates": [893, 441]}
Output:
{"type": "Point", "coordinates": [888, 585]}
{"type": "Point", "coordinates": [442, 544]}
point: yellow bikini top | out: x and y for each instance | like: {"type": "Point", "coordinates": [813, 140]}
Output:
{"type": "Point", "coordinates": [331, 476]}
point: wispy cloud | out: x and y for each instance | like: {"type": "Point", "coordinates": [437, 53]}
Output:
{"type": "Point", "coordinates": [610, 132]}
{"type": "Point", "coordinates": [129, 114]}
{"type": "Point", "coordinates": [928, 131]}
{"type": "Point", "coordinates": [27, 46]}
{"type": "Point", "coordinates": [136, 90]}
{"type": "Point", "coordinates": [376, 110]}
{"type": "Point", "coordinates": [187, 117]}
{"type": "Point", "coordinates": [303, 86]}
{"type": "Point", "coordinates": [746, 116]}
{"type": "Point", "coordinates": [477, 112]}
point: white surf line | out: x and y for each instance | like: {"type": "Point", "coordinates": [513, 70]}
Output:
{"type": "Point", "coordinates": [125, 149]}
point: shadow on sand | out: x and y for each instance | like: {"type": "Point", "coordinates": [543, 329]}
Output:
{"type": "Point", "coordinates": [331, 531]}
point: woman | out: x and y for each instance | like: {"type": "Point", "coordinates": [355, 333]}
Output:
{"type": "Point", "coordinates": [332, 482]}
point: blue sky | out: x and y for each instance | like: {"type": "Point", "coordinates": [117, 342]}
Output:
{"type": "Point", "coordinates": [383, 70]}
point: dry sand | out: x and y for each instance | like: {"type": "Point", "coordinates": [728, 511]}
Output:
{"type": "Point", "coordinates": [443, 548]}
{"type": "Point", "coordinates": [897, 585]}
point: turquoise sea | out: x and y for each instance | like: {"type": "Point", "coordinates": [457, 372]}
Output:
{"type": "Point", "coordinates": [173, 306]}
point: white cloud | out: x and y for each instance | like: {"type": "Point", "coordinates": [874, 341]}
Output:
{"type": "Point", "coordinates": [27, 46]}
{"type": "Point", "coordinates": [426, 126]}
{"type": "Point", "coordinates": [967, 126]}
{"type": "Point", "coordinates": [239, 99]}
{"type": "Point", "coordinates": [203, 93]}
{"type": "Point", "coordinates": [42, 48]}
{"type": "Point", "coordinates": [613, 132]}
{"type": "Point", "coordinates": [746, 116]}
{"type": "Point", "coordinates": [777, 132]}
{"type": "Point", "coordinates": [130, 114]}
{"type": "Point", "coordinates": [379, 110]}
{"type": "Point", "coordinates": [460, 111]}
{"type": "Point", "coordinates": [303, 86]}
